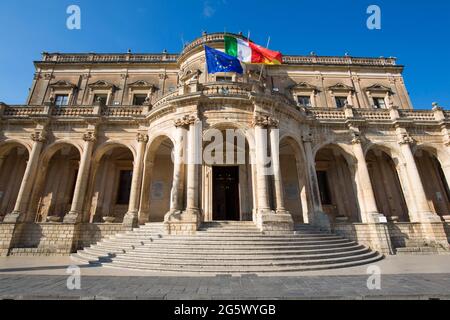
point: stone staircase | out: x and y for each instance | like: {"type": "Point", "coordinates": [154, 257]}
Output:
{"type": "Point", "coordinates": [226, 247]}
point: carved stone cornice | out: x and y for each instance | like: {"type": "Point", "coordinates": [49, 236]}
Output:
{"type": "Point", "coordinates": [38, 136]}
{"type": "Point", "coordinates": [186, 121]}
{"type": "Point", "coordinates": [265, 121]}
{"type": "Point", "coordinates": [142, 137]}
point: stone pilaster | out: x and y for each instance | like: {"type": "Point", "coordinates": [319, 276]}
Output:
{"type": "Point", "coordinates": [24, 194]}
{"type": "Point", "coordinates": [318, 217]}
{"type": "Point", "coordinates": [131, 217]}
{"type": "Point", "coordinates": [75, 213]}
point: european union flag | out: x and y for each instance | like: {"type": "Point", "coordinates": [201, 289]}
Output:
{"type": "Point", "coordinates": [218, 61]}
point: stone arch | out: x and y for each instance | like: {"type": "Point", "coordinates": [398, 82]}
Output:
{"type": "Point", "coordinates": [210, 190]}
{"type": "Point", "coordinates": [157, 179]}
{"type": "Point", "coordinates": [383, 164]}
{"type": "Point", "coordinates": [13, 161]}
{"type": "Point", "coordinates": [293, 174]}
{"type": "Point", "coordinates": [336, 176]}
{"type": "Point", "coordinates": [110, 184]}
{"type": "Point", "coordinates": [56, 180]}
{"type": "Point", "coordinates": [433, 178]}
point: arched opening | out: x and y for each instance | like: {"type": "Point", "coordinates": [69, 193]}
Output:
{"type": "Point", "coordinates": [337, 190]}
{"type": "Point", "coordinates": [386, 185]}
{"type": "Point", "coordinates": [161, 180]}
{"type": "Point", "coordinates": [434, 182]}
{"type": "Point", "coordinates": [112, 185]}
{"type": "Point", "coordinates": [60, 174]}
{"type": "Point", "coordinates": [13, 162]}
{"type": "Point", "coordinates": [227, 192]}
{"type": "Point", "coordinates": [293, 179]}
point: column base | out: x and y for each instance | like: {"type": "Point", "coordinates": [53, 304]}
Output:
{"type": "Point", "coordinates": [12, 217]}
{"type": "Point", "coordinates": [130, 219]}
{"type": "Point", "coordinates": [321, 221]}
{"type": "Point", "coordinates": [72, 217]}
{"type": "Point", "coordinates": [182, 222]}
{"type": "Point", "coordinates": [376, 217]}
{"type": "Point", "coordinates": [273, 223]}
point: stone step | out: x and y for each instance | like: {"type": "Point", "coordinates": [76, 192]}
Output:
{"type": "Point", "coordinates": [240, 252]}
{"type": "Point", "coordinates": [239, 269]}
{"type": "Point", "coordinates": [243, 263]}
{"type": "Point", "coordinates": [417, 251]}
{"type": "Point", "coordinates": [238, 247]}
{"type": "Point", "coordinates": [211, 243]}
{"type": "Point", "coordinates": [221, 238]}
{"type": "Point", "coordinates": [151, 256]}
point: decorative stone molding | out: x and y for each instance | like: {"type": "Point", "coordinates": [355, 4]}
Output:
{"type": "Point", "coordinates": [142, 137]}
{"type": "Point", "coordinates": [405, 138]}
{"type": "Point", "coordinates": [265, 121]}
{"type": "Point", "coordinates": [38, 136]}
{"type": "Point", "coordinates": [89, 136]}
{"type": "Point", "coordinates": [102, 85]}
{"type": "Point", "coordinates": [308, 138]}
{"type": "Point", "coordinates": [186, 121]}
{"type": "Point", "coordinates": [62, 84]}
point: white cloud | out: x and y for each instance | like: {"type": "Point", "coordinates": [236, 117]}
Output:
{"type": "Point", "coordinates": [208, 9]}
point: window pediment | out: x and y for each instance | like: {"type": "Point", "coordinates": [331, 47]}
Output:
{"type": "Point", "coordinates": [62, 84]}
{"type": "Point", "coordinates": [142, 85]}
{"type": "Point", "coordinates": [378, 88]}
{"type": "Point", "coordinates": [102, 85]}
{"type": "Point", "coordinates": [340, 87]}
{"type": "Point", "coordinates": [303, 86]}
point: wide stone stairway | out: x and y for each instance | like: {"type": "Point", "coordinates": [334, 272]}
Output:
{"type": "Point", "coordinates": [226, 247]}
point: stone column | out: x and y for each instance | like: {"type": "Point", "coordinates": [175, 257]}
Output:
{"type": "Point", "coordinates": [76, 209]}
{"type": "Point", "coordinates": [275, 155]}
{"type": "Point", "coordinates": [423, 212]}
{"type": "Point", "coordinates": [318, 217]}
{"type": "Point", "coordinates": [194, 162]}
{"type": "Point", "coordinates": [24, 194]}
{"type": "Point", "coordinates": [366, 196]}
{"type": "Point", "coordinates": [263, 205]}
{"type": "Point", "coordinates": [176, 194]}
{"type": "Point", "coordinates": [266, 219]}
{"type": "Point", "coordinates": [131, 217]}
{"type": "Point", "coordinates": [177, 221]}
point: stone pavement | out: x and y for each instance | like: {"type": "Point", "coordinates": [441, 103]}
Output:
{"type": "Point", "coordinates": [415, 277]}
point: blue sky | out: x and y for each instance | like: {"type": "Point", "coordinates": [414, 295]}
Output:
{"type": "Point", "coordinates": [417, 32]}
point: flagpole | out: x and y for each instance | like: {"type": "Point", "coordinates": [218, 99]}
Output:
{"type": "Point", "coordinates": [262, 67]}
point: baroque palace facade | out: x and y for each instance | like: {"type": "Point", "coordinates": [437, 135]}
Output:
{"type": "Point", "coordinates": [90, 153]}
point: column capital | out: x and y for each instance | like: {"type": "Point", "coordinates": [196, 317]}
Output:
{"type": "Point", "coordinates": [186, 121]}
{"type": "Point", "coordinates": [38, 136]}
{"type": "Point", "coordinates": [405, 138]}
{"type": "Point", "coordinates": [356, 137]}
{"type": "Point", "coordinates": [142, 137]}
{"type": "Point", "coordinates": [89, 136]}
{"type": "Point", "coordinates": [265, 121]}
{"type": "Point", "coordinates": [308, 138]}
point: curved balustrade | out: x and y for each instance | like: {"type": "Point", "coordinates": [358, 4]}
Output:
{"type": "Point", "coordinates": [122, 111]}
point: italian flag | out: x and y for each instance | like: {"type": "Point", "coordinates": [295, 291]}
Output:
{"type": "Point", "coordinates": [249, 52]}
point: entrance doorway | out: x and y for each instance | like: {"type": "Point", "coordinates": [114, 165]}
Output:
{"type": "Point", "coordinates": [226, 193]}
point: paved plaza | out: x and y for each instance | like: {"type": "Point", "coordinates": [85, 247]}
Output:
{"type": "Point", "coordinates": [407, 277]}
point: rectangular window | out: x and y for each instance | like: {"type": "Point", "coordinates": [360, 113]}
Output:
{"type": "Point", "coordinates": [100, 98]}
{"type": "Point", "coordinates": [379, 103]}
{"type": "Point", "coordinates": [322, 179]}
{"type": "Point", "coordinates": [61, 100]}
{"type": "Point", "coordinates": [123, 194]}
{"type": "Point", "coordinates": [304, 101]}
{"type": "Point", "coordinates": [340, 102]}
{"type": "Point", "coordinates": [139, 99]}
{"type": "Point", "coordinates": [224, 79]}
